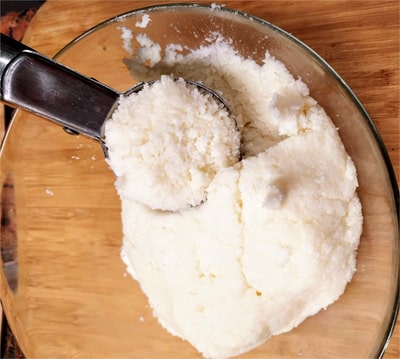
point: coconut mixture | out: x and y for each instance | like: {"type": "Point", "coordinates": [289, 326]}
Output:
{"type": "Point", "coordinates": [275, 240]}
{"type": "Point", "coordinates": [167, 142]}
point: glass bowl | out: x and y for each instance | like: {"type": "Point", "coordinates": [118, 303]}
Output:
{"type": "Point", "coordinates": [64, 287]}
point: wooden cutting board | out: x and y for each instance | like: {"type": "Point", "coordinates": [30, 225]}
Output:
{"type": "Point", "coordinates": [360, 39]}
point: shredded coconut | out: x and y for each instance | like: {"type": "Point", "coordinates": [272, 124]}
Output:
{"type": "Point", "coordinates": [127, 36]}
{"type": "Point", "coordinates": [215, 6]}
{"type": "Point", "coordinates": [149, 52]}
{"type": "Point", "coordinates": [275, 240]}
{"type": "Point", "coordinates": [144, 22]}
{"type": "Point", "coordinates": [49, 192]}
{"type": "Point", "coordinates": [167, 142]}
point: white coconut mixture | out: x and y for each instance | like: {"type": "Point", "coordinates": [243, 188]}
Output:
{"type": "Point", "coordinates": [276, 239]}
{"type": "Point", "coordinates": [167, 142]}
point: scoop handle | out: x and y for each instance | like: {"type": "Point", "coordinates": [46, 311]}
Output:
{"type": "Point", "coordinates": [8, 50]}
{"type": "Point", "coordinates": [36, 83]}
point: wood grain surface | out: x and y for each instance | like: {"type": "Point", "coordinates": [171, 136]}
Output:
{"type": "Point", "coordinates": [359, 39]}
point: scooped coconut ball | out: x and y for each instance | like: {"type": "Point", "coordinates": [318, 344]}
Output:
{"type": "Point", "coordinates": [166, 143]}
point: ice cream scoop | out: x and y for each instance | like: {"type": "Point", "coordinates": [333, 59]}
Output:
{"type": "Point", "coordinates": [36, 83]}
{"type": "Point", "coordinates": [167, 142]}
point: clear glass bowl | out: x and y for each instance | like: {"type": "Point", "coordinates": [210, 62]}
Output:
{"type": "Point", "coordinates": [63, 285]}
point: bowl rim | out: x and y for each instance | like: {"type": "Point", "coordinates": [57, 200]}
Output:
{"type": "Point", "coordinates": [382, 148]}
{"type": "Point", "coordinates": [313, 53]}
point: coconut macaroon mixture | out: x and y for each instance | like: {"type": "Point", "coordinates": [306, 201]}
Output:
{"type": "Point", "coordinates": [167, 142]}
{"type": "Point", "coordinates": [275, 239]}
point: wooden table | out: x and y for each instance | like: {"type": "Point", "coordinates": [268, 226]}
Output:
{"type": "Point", "coordinates": [360, 39]}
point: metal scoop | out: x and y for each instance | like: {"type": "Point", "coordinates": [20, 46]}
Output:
{"type": "Point", "coordinates": [38, 84]}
